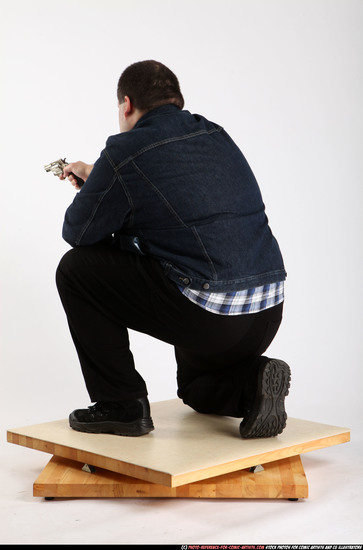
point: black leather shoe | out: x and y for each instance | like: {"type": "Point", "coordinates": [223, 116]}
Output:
{"type": "Point", "coordinates": [267, 416]}
{"type": "Point", "coordinates": [130, 418]}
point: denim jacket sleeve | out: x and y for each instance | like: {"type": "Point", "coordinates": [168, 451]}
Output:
{"type": "Point", "coordinates": [99, 208]}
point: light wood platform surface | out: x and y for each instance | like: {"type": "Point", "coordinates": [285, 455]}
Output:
{"type": "Point", "coordinates": [65, 478]}
{"type": "Point", "coordinates": [185, 446]}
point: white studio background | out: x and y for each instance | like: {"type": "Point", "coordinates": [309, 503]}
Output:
{"type": "Point", "coordinates": [284, 77]}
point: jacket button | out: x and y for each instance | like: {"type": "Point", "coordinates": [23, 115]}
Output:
{"type": "Point", "coordinates": [206, 286]}
{"type": "Point", "coordinates": [185, 280]}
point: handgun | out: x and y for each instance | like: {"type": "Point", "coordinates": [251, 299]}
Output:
{"type": "Point", "coordinates": [57, 168]}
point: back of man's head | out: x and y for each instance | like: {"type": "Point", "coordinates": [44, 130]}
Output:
{"type": "Point", "coordinates": [149, 84]}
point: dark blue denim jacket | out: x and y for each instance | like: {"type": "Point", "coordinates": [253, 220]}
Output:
{"type": "Point", "coordinates": [180, 188]}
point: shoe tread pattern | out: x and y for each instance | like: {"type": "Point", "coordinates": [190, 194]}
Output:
{"type": "Point", "coordinates": [268, 419]}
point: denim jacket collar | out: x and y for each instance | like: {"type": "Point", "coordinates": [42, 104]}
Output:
{"type": "Point", "coordinates": [158, 111]}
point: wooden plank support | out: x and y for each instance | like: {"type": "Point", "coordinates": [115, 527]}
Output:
{"type": "Point", "coordinates": [66, 478]}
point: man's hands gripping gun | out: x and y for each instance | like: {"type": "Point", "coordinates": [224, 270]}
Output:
{"type": "Point", "coordinates": [58, 166]}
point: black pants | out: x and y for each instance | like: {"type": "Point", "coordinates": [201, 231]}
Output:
{"type": "Point", "coordinates": [105, 291]}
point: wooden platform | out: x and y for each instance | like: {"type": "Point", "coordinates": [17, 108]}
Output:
{"type": "Point", "coordinates": [185, 448]}
{"type": "Point", "coordinates": [65, 478]}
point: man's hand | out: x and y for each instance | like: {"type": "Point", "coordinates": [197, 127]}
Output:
{"type": "Point", "coordinates": [80, 169]}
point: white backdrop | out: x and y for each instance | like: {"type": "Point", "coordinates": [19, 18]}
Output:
{"type": "Point", "coordinates": [284, 77]}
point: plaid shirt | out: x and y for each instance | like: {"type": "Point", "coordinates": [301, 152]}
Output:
{"type": "Point", "coordinates": [240, 302]}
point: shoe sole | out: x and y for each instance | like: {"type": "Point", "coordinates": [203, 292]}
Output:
{"type": "Point", "coordinates": [268, 416]}
{"type": "Point", "coordinates": [133, 429]}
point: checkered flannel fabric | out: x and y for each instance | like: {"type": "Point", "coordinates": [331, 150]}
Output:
{"type": "Point", "coordinates": [240, 302]}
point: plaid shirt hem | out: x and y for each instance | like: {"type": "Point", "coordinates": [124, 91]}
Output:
{"type": "Point", "coordinates": [240, 302]}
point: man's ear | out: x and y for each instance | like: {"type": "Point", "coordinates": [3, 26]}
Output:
{"type": "Point", "coordinates": [128, 108]}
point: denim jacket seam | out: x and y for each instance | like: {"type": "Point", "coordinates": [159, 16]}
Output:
{"type": "Point", "coordinates": [271, 273]}
{"type": "Point", "coordinates": [124, 187]}
{"type": "Point", "coordinates": [220, 286]}
{"type": "Point", "coordinates": [165, 142]}
{"type": "Point", "coordinates": [178, 218]}
{"type": "Point", "coordinates": [94, 211]}
{"type": "Point", "coordinates": [159, 193]}
{"type": "Point", "coordinates": [205, 253]}
{"type": "Point", "coordinates": [252, 278]}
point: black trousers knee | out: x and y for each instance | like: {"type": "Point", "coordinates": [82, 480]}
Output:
{"type": "Point", "coordinates": [106, 291]}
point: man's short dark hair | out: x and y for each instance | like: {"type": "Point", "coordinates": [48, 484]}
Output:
{"type": "Point", "coordinates": [149, 84]}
